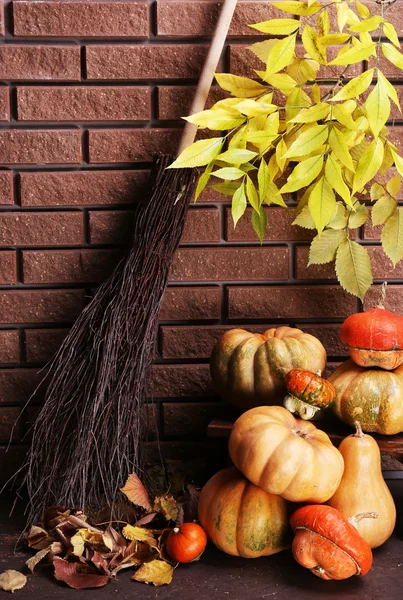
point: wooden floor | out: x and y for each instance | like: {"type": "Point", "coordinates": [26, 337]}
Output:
{"type": "Point", "coordinates": [222, 577]}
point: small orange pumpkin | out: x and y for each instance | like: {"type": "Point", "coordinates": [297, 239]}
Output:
{"type": "Point", "coordinates": [186, 542]}
{"type": "Point", "coordinates": [307, 393]}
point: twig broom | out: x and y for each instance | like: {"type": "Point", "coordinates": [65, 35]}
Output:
{"type": "Point", "coordinates": [87, 437]}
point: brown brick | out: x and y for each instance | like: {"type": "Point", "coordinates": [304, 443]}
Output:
{"type": "Point", "coordinates": [4, 103]}
{"type": "Point", "coordinates": [396, 137]}
{"type": "Point", "coordinates": [195, 341]}
{"type": "Point", "coordinates": [7, 267]}
{"type": "Point", "coordinates": [303, 271]}
{"type": "Point", "coordinates": [191, 304]}
{"type": "Point", "coordinates": [42, 344]}
{"type": "Point", "coordinates": [110, 226]}
{"type": "Point", "coordinates": [9, 346]}
{"type": "Point", "coordinates": [40, 306]}
{"type": "Point", "coordinates": [202, 225]}
{"type": "Point", "coordinates": [10, 424]}
{"type": "Point", "coordinates": [387, 68]}
{"type": "Point", "coordinates": [382, 266]}
{"type": "Point", "coordinates": [130, 145]}
{"type": "Point", "coordinates": [41, 229]}
{"type": "Point", "coordinates": [69, 266]}
{"type": "Point", "coordinates": [279, 227]}
{"type": "Point", "coordinates": [198, 18]}
{"type": "Point", "coordinates": [177, 381]}
{"type": "Point", "coordinates": [394, 15]}
{"type": "Point", "coordinates": [81, 188]}
{"type": "Point", "coordinates": [150, 420]}
{"type": "Point", "coordinates": [2, 30]}
{"type": "Point", "coordinates": [39, 146]}
{"type": "Point", "coordinates": [80, 19]}
{"type": "Point", "coordinates": [188, 419]}
{"type": "Point", "coordinates": [393, 300]}
{"type": "Point", "coordinates": [83, 103]}
{"type": "Point", "coordinates": [178, 61]}
{"type": "Point", "coordinates": [18, 385]}
{"type": "Point", "coordinates": [329, 335]}
{"type": "Point", "coordinates": [6, 187]}
{"type": "Point", "coordinates": [211, 450]}
{"type": "Point", "coordinates": [230, 264]}
{"type": "Point", "coordinates": [289, 302]}
{"type": "Point", "coordinates": [174, 102]}
{"type": "Point", "coordinates": [51, 63]}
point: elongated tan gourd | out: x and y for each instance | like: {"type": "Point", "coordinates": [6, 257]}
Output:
{"type": "Point", "coordinates": [363, 489]}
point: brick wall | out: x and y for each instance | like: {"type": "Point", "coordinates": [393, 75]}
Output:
{"type": "Point", "coordinates": [89, 91]}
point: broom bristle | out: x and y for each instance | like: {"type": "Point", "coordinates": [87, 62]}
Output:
{"type": "Point", "coordinates": [87, 437]}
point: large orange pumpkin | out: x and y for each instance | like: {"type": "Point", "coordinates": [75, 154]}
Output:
{"type": "Point", "coordinates": [241, 519]}
{"type": "Point", "coordinates": [248, 369]}
{"type": "Point", "coordinates": [285, 456]}
{"type": "Point", "coordinates": [373, 397]}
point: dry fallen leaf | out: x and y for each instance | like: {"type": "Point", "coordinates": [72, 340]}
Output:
{"type": "Point", "coordinates": [12, 580]}
{"type": "Point", "coordinates": [38, 538]}
{"type": "Point", "coordinates": [113, 540]}
{"type": "Point", "coordinates": [78, 544]}
{"type": "Point", "coordinates": [169, 507]}
{"type": "Point", "coordinates": [101, 564]}
{"type": "Point", "coordinates": [147, 519]}
{"type": "Point", "coordinates": [138, 533]}
{"type": "Point", "coordinates": [55, 548]}
{"type": "Point", "coordinates": [157, 572]}
{"type": "Point", "coordinates": [135, 491]}
{"type": "Point", "coordinates": [95, 538]}
{"type": "Point", "coordinates": [78, 575]}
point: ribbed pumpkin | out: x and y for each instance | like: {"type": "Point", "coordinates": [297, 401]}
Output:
{"type": "Point", "coordinates": [307, 393]}
{"type": "Point", "coordinates": [241, 519]}
{"type": "Point", "coordinates": [248, 369]}
{"type": "Point", "coordinates": [373, 397]}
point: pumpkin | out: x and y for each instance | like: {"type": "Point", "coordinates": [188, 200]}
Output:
{"type": "Point", "coordinates": [363, 489]}
{"type": "Point", "coordinates": [327, 544]}
{"type": "Point", "coordinates": [248, 369]}
{"type": "Point", "coordinates": [373, 397]}
{"type": "Point", "coordinates": [307, 393]}
{"type": "Point", "coordinates": [374, 338]}
{"type": "Point", "coordinates": [285, 456]}
{"type": "Point", "coordinates": [186, 542]}
{"type": "Point", "coordinates": [241, 519]}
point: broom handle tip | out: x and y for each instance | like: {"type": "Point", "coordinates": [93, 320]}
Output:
{"type": "Point", "coordinates": [207, 75]}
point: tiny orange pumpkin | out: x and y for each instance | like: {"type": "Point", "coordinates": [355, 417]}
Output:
{"type": "Point", "coordinates": [186, 542]}
{"type": "Point", "coordinates": [307, 393]}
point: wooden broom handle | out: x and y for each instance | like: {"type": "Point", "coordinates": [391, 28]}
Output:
{"type": "Point", "coordinates": [207, 75]}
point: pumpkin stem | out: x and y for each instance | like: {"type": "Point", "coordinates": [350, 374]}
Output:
{"type": "Point", "coordinates": [382, 295]}
{"type": "Point", "coordinates": [358, 433]}
{"type": "Point", "coordinates": [176, 530]}
{"type": "Point", "coordinates": [365, 515]}
{"type": "Point", "coordinates": [318, 373]}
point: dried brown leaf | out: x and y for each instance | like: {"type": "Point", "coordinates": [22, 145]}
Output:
{"type": "Point", "coordinates": [135, 491]}
{"type": "Point", "coordinates": [78, 575]}
{"type": "Point", "coordinates": [170, 508]}
{"type": "Point", "coordinates": [100, 563]}
{"type": "Point", "coordinates": [39, 538]}
{"type": "Point", "coordinates": [147, 519]}
{"type": "Point", "coordinates": [77, 544]}
{"type": "Point", "coordinates": [138, 533]}
{"type": "Point", "coordinates": [113, 540]}
{"type": "Point", "coordinates": [54, 548]}
{"type": "Point", "coordinates": [157, 572]}
{"type": "Point", "coordinates": [12, 580]}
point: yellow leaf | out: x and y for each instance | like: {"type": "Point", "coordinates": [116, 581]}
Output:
{"type": "Point", "coordinates": [322, 203]}
{"type": "Point", "coordinates": [254, 108]}
{"type": "Point", "coordinates": [334, 176]}
{"type": "Point", "coordinates": [390, 32]}
{"type": "Point", "coordinates": [302, 70]}
{"type": "Point", "coordinates": [393, 55]}
{"type": "Point", "coordinates": [259, 222]}
{"type": "Point", "coordinates": [388, 159]}
{"type": "Point", "coordinates": [238, 204]}
{"type": "Point", "coordinates": [238, 140]}
{"type": "Point", "coordinates": [262, 49]}
{"type": "Point", "coordinates": [263, 178]}
{"type": "Point", "coordinates": [274, 196]}
{"type": "Point", "coordinates": [157, 572]}
{"type": "Point", "coordinates": [281, 81]}
{"type": "Point", "coordinates": [305, 172]}
{"type": "Point", "coordinates": [334, 39]}
{"type": "Point", "coordinates": [323, 23]}
{"type": "Point", "coordinates": [393, 186]}
{"type": "Point", "coordinates": [353, 268]}
{"type": "Point", "coordinates": [376, 191]}
{"type": "Point", "coordinates": [130, 532]}
{"type": "Point", "coordinates": [382, 210]}
{"type": "Point", "coordinates": [313, 114]}
{"type": "Point", "coordinates": [354, 55]}
{"type": "Point", "coordinates": [251, 194]}
{"type": "Point", "coordinates": [228, 188]}
{"type": "Point", "coordinates": [304, 219]}
{"type": "Point", "coordinates": [389, 89]}
{"type": "Point", "coordinates": [218, 119]}
{"type": "Point", "coordinates": [315, 93]}
{"type": "Point", "coordinates": [342, 15]}
{"type": "Point", "coordinates": [352, 18]}
{"type": "Point", "coordinates": [323, 248]}
{"type": "Point", "coordinates": [308, 141]}
{"type": "Point", "coordinates": [12, 580]}
{"type": "Point", "coordinates": [359, 217]}
{"type": "Point", "coordinates": [198, 154]}
{"type": "Point", "coordinates": [362, 10]}
{"type": "Point", "coordinates": [228, 173]}
{"type": "Point", "coordinates": [295, 7]}
{"type": "Point", "coordinates": [392, 236]}
{"type": "Point", "coordinates": [277, 26]}
{"type": "Point", "coordinates": [340, 148]}
{"type": "Point", "coordinates": [202, 182]}
{"type": "Point", "coordinates": [343, 116]}
{"type": "Point", "coordinates": [368, 25]}
{"type": "Point", "coordinates": [355, 87]}
{"type": "Point", "coordinates": [313, 45]}
{"type": "Point", "coordinates": [242, 87]}
{"type": "Point", "coordinates": [297, 97]}
{"type": "Point", "coordinates": [377, 107]}
{"type": "Point", "coordinates": [339, 217]}
{"type": "Point", "coordinates": [236, 155]}
{"type": "Point", "coordinates": [281, 149]}
{"type": "Point", "coordinates": [280, 55]}
{"type": "Point", "coordinates": [368, 165]}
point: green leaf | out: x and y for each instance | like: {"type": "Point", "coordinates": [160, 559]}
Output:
{"type": "Point", "coordinates": [390, 32]}
{"type": "Point", "coordinates": [229, 173]}
{"type": "Point", "coordinates": [203, 180]}
{"type": "Point", "coordinates": [198, 154]}
{"type": "Point", "coordinates": [305, 172]}
{"type": "Point", "coordinates": [308, 141]}
{"type": "Point", "coordinates": [354, 55]}
{"type": "Point", "coordinates": [368, 165]}
{"type": "Point", "coordinates": [259, 222]}
{"type": "Point", "coordinates": [323, 248]}
{"type": "Point", "coordinates": [228, 188]}
{"type": "Point", "coordinates": [313, 45]}
{"type": "Point", "coordinates": [252, 194]}
{"type": "Point", "coordinates": [295, 7]}
{"type": "Point", "coordinates": [281, 55]}
{"type": "Point", "coordinates": [392, 55]}
{"type": "Point", "coordinates": [359, 217]}
{"type": "Point", "coordinates": [310, 115]}
{"type": "Point", "coordinates": [304, 219]}
{"type": "Point", "coordinates": [389, 89]}
{"type": "Point", "coordinates": [392, 236]}
{"type": "Point", "coordinates": [238, 204]}
{"type": "Point", "coordinates": [377, 108]}
{"type": "Point", "coordinates": [277, 26]}
{"type": "Point", "coordinates": [376, 191]}
{"type": "Point", "coordinates": [353, 268]}
{"type": "Point", "coordinates": [242, 87]}
{"type": "Point", "coordinates": [382, 210]}
{"type": "Point", "coordinates": [340, 148]}
{"type": "Point", "coordinates": [263, 178]}
{"type": "Point", "coordinates": [236, 156]}
{"type": "Point", "coordinates": [321, 204]}
{"type": "Point", "coordinates": [339, 217]}
{"type": "Point", "coordinates": [334, 176]}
